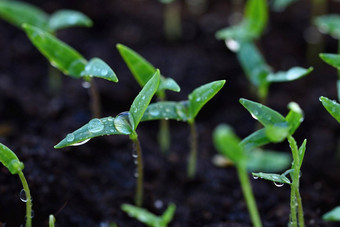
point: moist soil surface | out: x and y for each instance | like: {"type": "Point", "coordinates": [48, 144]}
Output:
{"type": "Point", "coordinates": [86, 185]}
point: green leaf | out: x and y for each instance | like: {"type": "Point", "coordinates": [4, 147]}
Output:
{"type": "Point", "coordinates": [143, 70]}
{"type": "Point", "coordinates": [290, 75]}
{"type": "Point", "coordinates": [294, 117]}
{"type": "Point", "coordinates": [96, 127]}
{"type": "Point", "coordinates": [268, 161]}
{"type": "Point", "coordinates": [149, 218]}
{"type": "Point", "coordinates": [329, 24]}
{"type": "Point", "coordinates": [60, 55]}
{"type": "Point", "coordinates": [302, 151]}
{"type": "Point", "coordinates": [277, 133]}
{"type": "Point", "coordinates": [10, 160]}
{"type": "Point", "coordinates": [253, 64]}
{"type": "Point", "coordinates": [228, 144]}
{"type": "Point", "coordinates": [68, 18]}
{"type": "Point", "coordinates": [167, 110]}
{"type": "Point", "coordinates": [278, 178]}
{"type": "Point", "coordinates": [98, 68]}
{"type": "Point", "coordinates": [331, 59]}
{"type": "Point", "coordinates": [264, 114]}
{"type": "Point", "coordinates": [281, 5]}
{"type": "Point", "coordinates": [256, 139]}
{"type": "Point", "coordinates": [332, 107]}
{"type": "Point", "coordinates": [201, 95]}
{"type": "Point", "coordinates": [143, 99]}
{"type": "Point", "coordinates": [18, 13]}
{"type": "Point", "coordinates": [333, 215]}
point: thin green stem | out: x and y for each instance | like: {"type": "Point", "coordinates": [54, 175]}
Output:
{"type": "Point", "coordinates": [172, 21]}
{"type": "Point", "coordinates": [95, 99]}
{"type": "Point", "coordinates": [164, 131]}
{"type": "Point", "coordinates": [139, 173]}
{"type": "Point", "coordinates": [29, 199]}
{"type": "Point", "coordinates": [54, 80]}
{"type": "Point", "coordinates": [51, 220]}
{"type": "Point", "coordinates": [300, 209]}
{"type": "Point", "coordinates": [193, 151]}
{"type": "Point", "coordinates": [248, 195]}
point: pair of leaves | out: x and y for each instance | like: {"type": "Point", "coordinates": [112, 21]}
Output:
{"type": "Point", "coordinates": [149, 218]}
{"type": "Point", "coordinates": [329, 24]}
{"type": "Point", "coordinates": [65, 58]}
{"type": "Point", "coordinates": [143, 70]}
{"type": "Point", "coordinates": [18, 13]}
{"type": "Point", "coordinates": [9, 159]}
{"type": "Point", "coordinates": [184, 110]}
{"type": "Point", "coordinates": [252, 26]}
{"type": "Point", "coordinates": [276, 127]}
{"type": "Point", "coordinates": [123, 124]}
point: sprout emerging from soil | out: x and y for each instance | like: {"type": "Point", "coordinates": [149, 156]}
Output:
{"type": "Point", "coordinates": [185, 111]}
{"type": "Point", "coordinates": [142, 70]}
{"type": "Point", "coordinates": [276, 129]}
{"type": "Point", "coordinates": [124, 123]}
{"type": "Point", "coordinates": [149, 218]}
{"type": "Point", "coordinates": [12, 163]}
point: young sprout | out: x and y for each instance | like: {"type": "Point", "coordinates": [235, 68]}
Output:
{"type": "Point", "coordinates": [51, 220]}
{"type": "Point", "coordinates": [18, 13]}
{"type": "Point", "coordinates": [240, 39]}
{"type": "Point", "coordinates": [70, 62]}
{"type": "Point", "coordinates": [124, 123]}
{"type": "Point", "coordinates": [185, 111]}
{"type": "Point", "coordinates": [333, 215]}
{"type": "Point", "coordinates": [142, 70]}
{"type": "Point", "coordinates": [241, 153]}
{"type": "Point", "coordinates": [12, 163]}
{"type": "Point", "coordinates": [149, 218]}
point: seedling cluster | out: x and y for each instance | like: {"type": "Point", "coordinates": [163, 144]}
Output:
{"type": "Point", "coordinates": [247, 155]}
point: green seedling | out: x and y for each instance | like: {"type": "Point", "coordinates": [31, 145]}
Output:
{"type": "Point", "coordinates": [149, 218]}
{"type": "Point", "coordinates": [240, 39]}
{"type": "Point", "coordinates": [333, 215]}
{"type": "Point", "coordinates": [142, 70]}
{"type": "Point", "coordinates": [18, 13]}
{"type": "Point", "coordinates": [13, 164]}
{"type": "Point", "coordinates": [70, 62]}
{"type": "Point", "coordinates": [244, 153]}
{"type": "Point", "coordinates": [124, 123]}
{"type": "Point", "coordinates": [51, 220]}
{"type": "Point", "coordinates": [185, 111]}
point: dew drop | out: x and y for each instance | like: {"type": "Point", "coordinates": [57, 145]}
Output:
{"type": "Point", "coordinates": [110, 118]}
{"type": "Point", "coordinates": [269, 118]}
{"type": "Point", "coordinates": [167, 110]}
{"type": "Point", "coordinates": [88, 68]}
{"type": "Point", "coordinates": [134, 153]}
{"type": "Point", "coordinates": [255, 177]}
{"type": "Point", "coordinates": [159, 204]}
{"type": "Point", "coordinates": [135, 161]}
{"type": "Point", "coordinates": [23, 196]}
{"type": "Point", "coordinates": [136, 173]}
{"type": "Point", "coordinates": [104, 72]}
{"type": "Point", "coordinates": [122, 123]}
{"type": "Point", "coordinates": [32, 213]}
{"type": "Point", "coordinates": [86, 85]}
{"type": "Point", "coordinates": [143, 97]}
{"type": "Point", "coordinates": [278, 184]}
{"type": "Point", "coordinates": [253, 116]}
{"type": "Point", "coordinates": [154, 112]}
{"type": "Point", "coordinates": [80, 143]}
{"type": "Point", "coordinates": [95, 125]}
{"type": "Point", "coordinates": [70, 137]}
{"type": "Point", "coordinates": [233, 45]}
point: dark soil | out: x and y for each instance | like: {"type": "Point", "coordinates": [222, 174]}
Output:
{"type": "Point", "coordinates": [86, 185]}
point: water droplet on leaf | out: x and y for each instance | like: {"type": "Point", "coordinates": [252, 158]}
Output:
{"type": "Point", "coordinates": [255, 177]}
{"type": "Point", "coordinates": [122, 123]}
{"type": "Point", "coordinates": [95, 125]}
{"type": "Point", "coordinates": [278, 184]}
{"type": "Point", "coordinates": [23, 196]}
{"type": "Point", "coordinates": [233, 45]}
{"type": "Point", "coordinates": [70, 137]}
{"type": "Point", "coordinates": [154, 112]}
{"type": "Point", "coordinates": [104, 72]}
{"type": "Point", "coordinates": [86, 85]}
{"type": "Point", "coordinates": [80, 143]}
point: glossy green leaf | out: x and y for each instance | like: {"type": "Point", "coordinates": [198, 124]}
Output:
{"type": "Point", "coordinates": [333, 215]}
{"type": "Point", "coordinates": [228, 144]}
{"type": "Point", "coordinates": [264, 114]}
{"type": "Point", "coordinates": [331, 59]}
{"type": "Point", "coordinates": [143, 99]}
{"type": "Point", "coordinates": [96, 127]}
{"type": "Point", "coordinates": [201, 95]}
{"type": "Point", "coordinates": [294, 117]}
{"type": "Point", "coordinates": [277, 133]}
{"type": "Point", "coordinates": [143, 70]}
{"type": "Point", "coordinates": [253, 64]}
{"type": "Point", "coordinates": [149, 218]}
{"type": "Point", "coordinates": [290, 75]}
{"type": "Point", "coordinates": [268, 161]}
{"type": "Point", "coordinates": [98, 68]}
{"type": "Point", "coordinates": [256, 139]}
{"type": "Point", "coordinates": [278, 178]}
{"type": "Point", "coordinates": [302, 150]}
{"type": "Point", "coordinates": [329, 24]}
{"type": "Point", "coordinates": [68, 18]}
{"type": "Point", "coordinates": [166, 110]}
{"type": "Point", "coordinates": [60, 55]}
{"type": "Point", "coordinates": [18, 13]}
{"type": "Point", "coordinates": [332, 107]}
{"type": "Point", "coordinates": [9, 159]}
{"type": "Point", "coordinates": [281, 5]}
